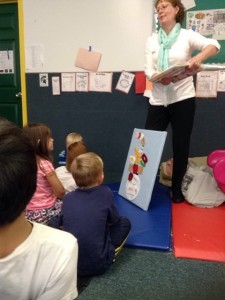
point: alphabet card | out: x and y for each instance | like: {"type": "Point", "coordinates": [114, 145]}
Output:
{"type": "Point", "coordinates": [141, 166]}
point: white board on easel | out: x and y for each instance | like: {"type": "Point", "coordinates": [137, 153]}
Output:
{"type": "Point", "coordinates": [141, 166]}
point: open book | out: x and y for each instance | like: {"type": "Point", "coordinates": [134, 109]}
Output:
{"type": "Point", "coordinates": [181, 71]}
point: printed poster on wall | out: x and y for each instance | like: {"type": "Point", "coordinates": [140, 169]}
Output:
{"type": "Point", "coordinates": [100, 82]}
{"type": "Point", "coordinates": [210, 23]}
{"type": "Point", "coordinates": [82, 81]}
{"type": "Point", "coordinates": [68, 82]}
{"type": "Point", "coordinates": [221, 81]}
{"type": "Point", "coordinates": [6, 62]}
{"type": "Point", "coordinates": [125, 81]}
{"type": "Point", "coordinates": [206, 84]}
{"type": "Point", "coordinates": [56, 86]}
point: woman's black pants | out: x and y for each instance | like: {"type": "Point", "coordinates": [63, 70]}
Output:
{"type": "Point", "coordinates": [181, 117]}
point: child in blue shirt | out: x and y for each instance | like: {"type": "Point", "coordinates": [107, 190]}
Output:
{"type": "Point", "coordinates": [89, 213]}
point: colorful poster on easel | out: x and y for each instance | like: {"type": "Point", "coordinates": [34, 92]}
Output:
{"type": "Point", "coordinates": [141, 166]}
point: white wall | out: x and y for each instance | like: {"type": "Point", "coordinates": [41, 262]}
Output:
{"type": "Point", "coordinates": [56, 29]}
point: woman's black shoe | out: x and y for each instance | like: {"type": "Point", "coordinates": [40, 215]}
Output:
{"type": "Point", "coordinates": [177, 197]}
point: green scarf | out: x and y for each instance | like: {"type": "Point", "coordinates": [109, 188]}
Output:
{"type": "Point", "coordinates": [166, 41]}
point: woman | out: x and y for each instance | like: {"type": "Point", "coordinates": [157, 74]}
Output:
{"type": "Point", "coordinates": [174, 102]}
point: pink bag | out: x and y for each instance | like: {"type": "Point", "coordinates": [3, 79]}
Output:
{"type": "Point", "coordinates": [216, 160]}
{"type": "Point", "coordinates": [214, 157]}
{"type": "Point", "coordinates": [219, 173]}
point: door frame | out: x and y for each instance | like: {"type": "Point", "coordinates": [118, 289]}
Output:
{"type": "Point", "coordinates": [22, 55]}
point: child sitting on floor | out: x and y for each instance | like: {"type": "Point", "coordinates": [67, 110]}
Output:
{"type": "Point", "coordinates": [89, 213]}
{"type": "Point", "coordinates": [36, 262]}
{"type": "Point", "coordinates": [71, 138]}
{"type": "Point", "coordinates": [45, 202]}
{"type": "Point", "coordinates": [64, 172]}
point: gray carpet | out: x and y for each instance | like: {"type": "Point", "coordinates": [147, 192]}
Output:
{"type": "Point", "coordinates": [150, 275]}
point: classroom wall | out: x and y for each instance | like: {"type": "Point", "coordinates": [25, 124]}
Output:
{"type": "Point", "coordinates": [106, 120]}
{"type": "Point", "coordinates": [56, 29]}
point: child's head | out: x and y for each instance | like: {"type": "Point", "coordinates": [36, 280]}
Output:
{"type": "Point", "coordinates": [87, 170]}
{"type": "Point", "coordinates": [73, 151]}
{"type": "Point", "coordinates": [18, 171]}
{"type": "Point", "coordinates": [41, 138]}
{"type": "Point", "coordinates": [73, 137]}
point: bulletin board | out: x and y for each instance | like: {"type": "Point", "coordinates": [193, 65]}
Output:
{"type": "Point", "coordinates": [213, 5]}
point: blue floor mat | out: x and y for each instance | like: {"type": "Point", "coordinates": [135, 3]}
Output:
{"type": "Point", "coordinates": [150, 229]}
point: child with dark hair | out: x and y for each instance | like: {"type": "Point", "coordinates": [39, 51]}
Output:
{"type": "Point", "coordinates": [36, 261]}
{"type": "Point", "coordinates": [45, 202]}
{"type": "Point", "coordinates": [90, 214]}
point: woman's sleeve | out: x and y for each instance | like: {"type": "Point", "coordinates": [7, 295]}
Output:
{"type": "Point", "coordinates": [149, 65]}
{"type": "Point", "coordinates": [199, 42]}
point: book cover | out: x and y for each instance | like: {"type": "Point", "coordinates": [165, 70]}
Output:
{"type": "Point", "coordinates": [141, 166]}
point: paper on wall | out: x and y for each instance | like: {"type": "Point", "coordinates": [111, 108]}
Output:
{"type": "Point", "coordinates": [221, 81]}
{"type": "Point", "coordinates": [34, 57]}
{"type": "Point", "coordinates": [100, 82]}
{"type": "Point", "coordinates": [88, 60]}
{"type": "Point", "coordinates": [125, 81]}
{"type": "Point", "coordinates": [206, 84]}
{"type": "Point", "coordinates": [82, 81]}
{"type": "Point", "coordinates": [188, 4]}
{"type": "Point", "coordinates": [68, 82]}
{"type": "Point", "coordinates": [55, 85]}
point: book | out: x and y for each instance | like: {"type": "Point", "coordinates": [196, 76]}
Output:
{"type": "Point", "coordinates": [141, 166]}
{"type": "Point", "coordinates": [181, 71]}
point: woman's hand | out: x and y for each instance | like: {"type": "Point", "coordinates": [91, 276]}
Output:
{"type": "Point", "coordinates": [196, 61]}
{"type": "Point", "coordinates": [194, 64]}
{"type": "Point", "coordinates": [166, 81]}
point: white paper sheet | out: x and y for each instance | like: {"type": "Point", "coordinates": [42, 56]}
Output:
{"type": "Point", "coordinates": [188, 4]}
{"type": "Point", "coordinates": [100, 82]}
{"type": "Point", "coordinates": [206, 85]}
{"type": "Point", "coordinates": [6, 62]}
{"type": "Point", "coordinates": [82, 82]}
{"type": "Point", "coordinates": [68, 82]}
{"type": "Point", "coordinates": [55, 85]}
{"type": "Point", "coordinates": [125, 81]}
{"type": "Point", "coordinates": [221, 81]}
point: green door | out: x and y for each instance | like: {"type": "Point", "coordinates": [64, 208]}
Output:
{"type": "Point", "coordinates": [10, 81]}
